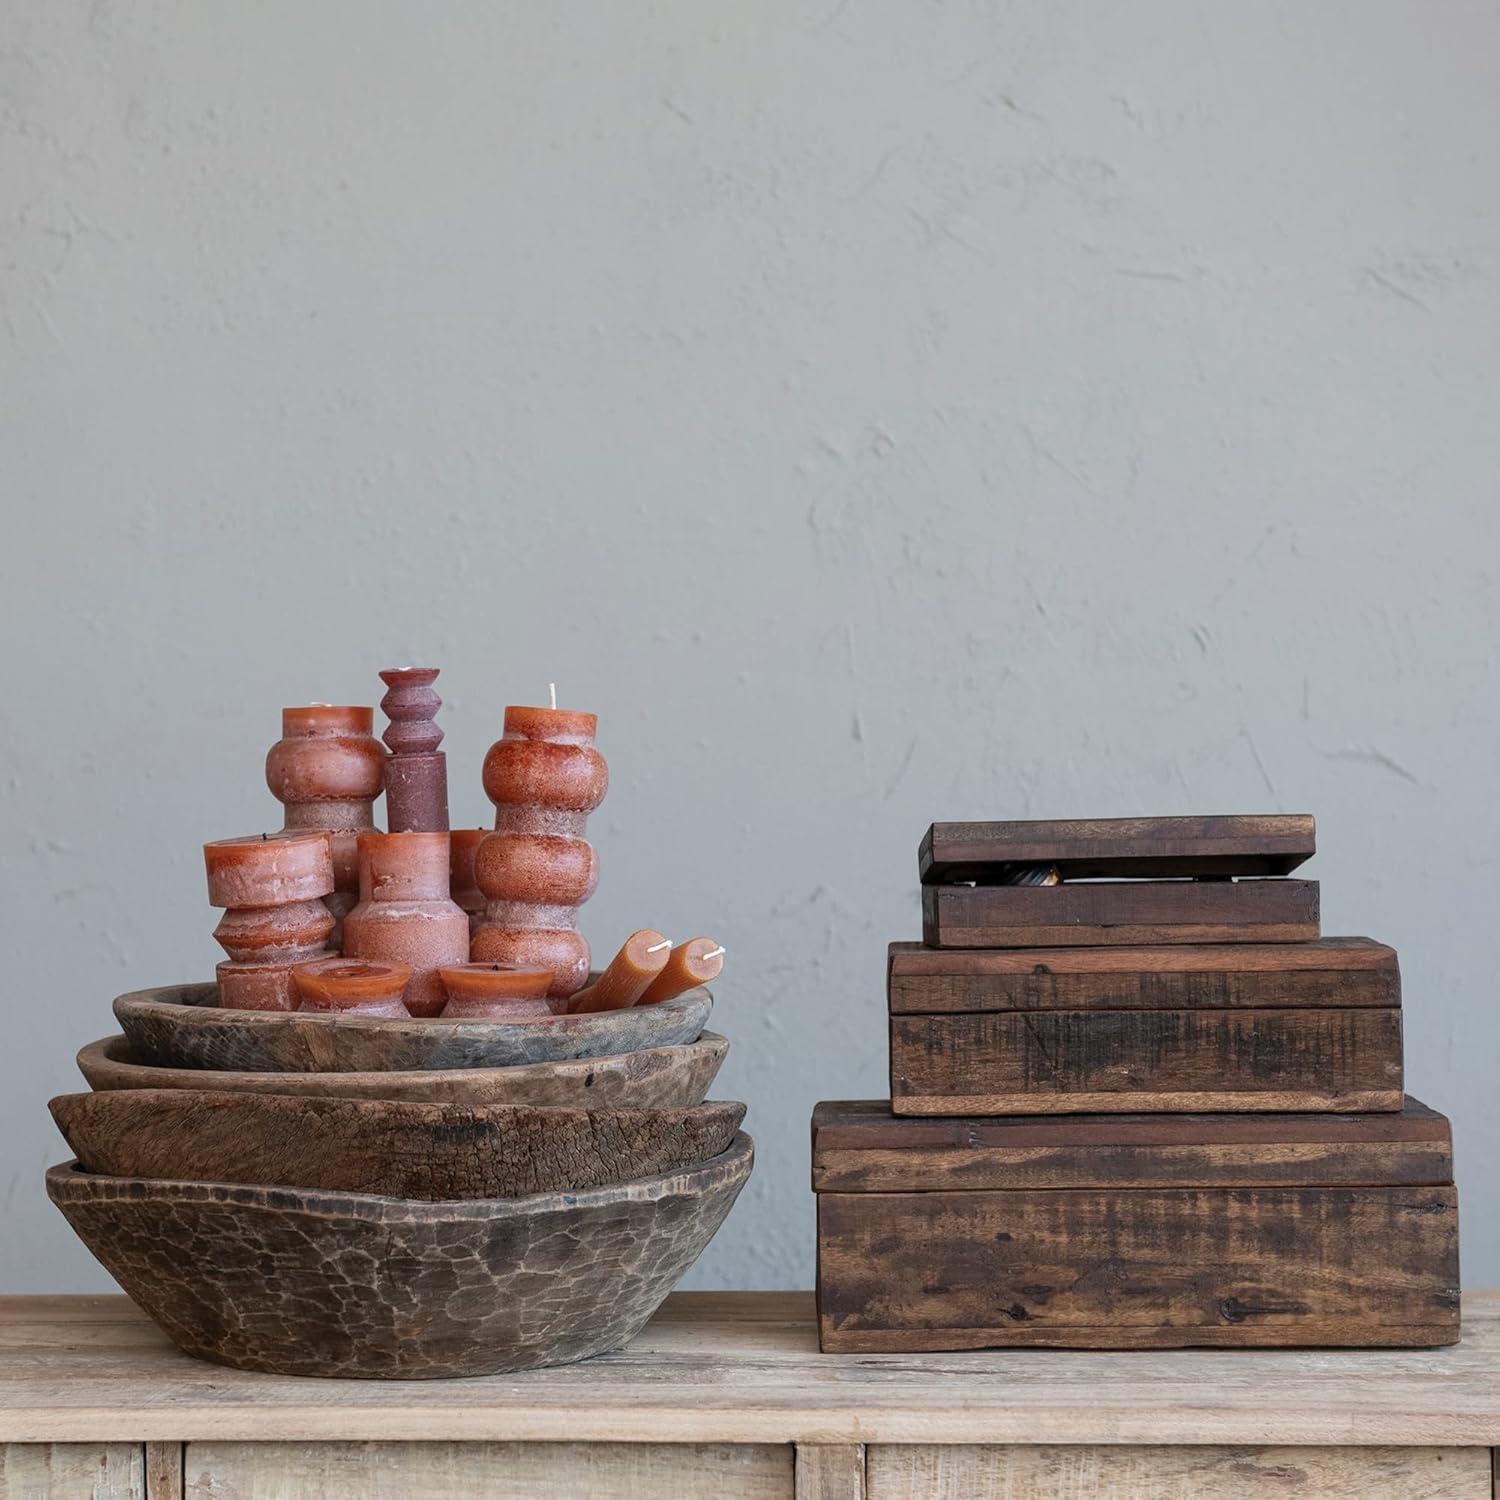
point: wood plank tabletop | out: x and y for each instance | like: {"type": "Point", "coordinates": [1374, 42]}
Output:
{"type": "Point", "coordinates": [745, 1367]}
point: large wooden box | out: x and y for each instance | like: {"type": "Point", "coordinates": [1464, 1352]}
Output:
{"type": "Point", "coordinates": [1290, 1026]}
{"type": "Point", "coordinates": [1134, 1231]}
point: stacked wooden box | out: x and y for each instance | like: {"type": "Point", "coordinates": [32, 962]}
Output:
{"type": "Point", "coordinates": [1145, 1106]}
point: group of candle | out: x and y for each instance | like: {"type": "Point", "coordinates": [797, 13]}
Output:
{"type": "Point", "coordinates": [331, 914]}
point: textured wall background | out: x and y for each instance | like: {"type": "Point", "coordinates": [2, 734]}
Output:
{"type": "Point", "coordinates": [876, 410]}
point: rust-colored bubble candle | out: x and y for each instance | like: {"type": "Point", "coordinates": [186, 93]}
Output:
{"type": "Point", "coordinates": [405, 915]}
{"type": "Point", "coordinates": [272, 887]}
{"type": "Point", "coordinates": [327, 769]}
{"type": "Point", "coordinates": [416, 775]}
{"type": "Point", "coordinates": [545, 777]}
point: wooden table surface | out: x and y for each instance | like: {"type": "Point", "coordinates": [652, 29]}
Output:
{"type": "Point", "coordinates": [744, 1367]}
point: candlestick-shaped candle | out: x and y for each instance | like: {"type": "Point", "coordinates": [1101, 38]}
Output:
{"type": "Point", "coordinates": [416, 775]}
{"type": "Point", "coordinates": [496, 992]}
{"type": "Point", "coordinates": [327, 769]}
{"type": "Point", "coordinates": [536, 869]}
{"type": "Point", "coordinates": [272, 888]}
{"type": "Point", "coordinates": [630, 974]}
{"type": "Point", "coordinates": [352, 987]}
{"type": "Point", "coordinates": [688, 965]}
{"type": "Point", "coordinates": [463, 884]}
{"type": "Point", "coordinates": [405, 914]}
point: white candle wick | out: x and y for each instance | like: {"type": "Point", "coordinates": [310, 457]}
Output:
{"type": "Point", "coordinates": [552, 688]}
{"type": "Point", "coordinates": [657, 947]}
{"type": "Point", "coordinates": [717, 953]}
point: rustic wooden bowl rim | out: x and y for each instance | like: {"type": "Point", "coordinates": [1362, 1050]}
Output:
{"type": "Point", "coordinates": [70, 1178]}
{"type": "Point", "coordinates": [171, 1000]}
{"type": "Point", "coordinates": [116, 1049]}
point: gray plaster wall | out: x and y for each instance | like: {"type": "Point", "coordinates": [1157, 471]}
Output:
{"type": "Point", "coordinates": [876, 410]}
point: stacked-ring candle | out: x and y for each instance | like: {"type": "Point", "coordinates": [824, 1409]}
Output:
{"type": "Point", "coordinates": [327, 770]}
{"type": "Point", "coordinates": [272, 888]}
{"type": "Point", "coordinates": [545, 777]}
{"type": "Point", "coordinates": [416, 774]}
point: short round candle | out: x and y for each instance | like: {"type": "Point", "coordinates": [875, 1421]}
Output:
{"type": "Point", "coordinates": [496, 992]}
{"type": "Point", "coordinates": [405, 914]}
{"type": "Point", "coordinates": [354, 987]}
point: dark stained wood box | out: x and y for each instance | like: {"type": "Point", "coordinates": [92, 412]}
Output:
{"type": "Point", "coordinates": [1134, 1231]}
{"type": "Point", "coordinates": [1113, 912]}
{"type": "Point", "coordinates": [1282, 1026]}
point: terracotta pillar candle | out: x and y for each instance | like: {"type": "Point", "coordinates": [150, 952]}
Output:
{"type": "Point", "coordinates": [327, 769]}
{"type": "Point", "coordinates": [545, 778]}
{"type": "Point", "coordinates": [688, 965]}
{"type": "Point", "coordinates": [463, 886]}
{"type": "Point", "coordinates": [272, 888]}
{"type": "Point", "coordinates": [352, 987]}
{"type": "Point", "coordinates": [416, 775]}
{"type": "Point", "coordinates": [405, 914]}
{"type": "Point", "coordinates": [630, 974]}
{"type": "Point", "coordinates": [496, 992]}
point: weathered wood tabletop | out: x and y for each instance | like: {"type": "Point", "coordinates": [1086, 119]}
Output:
{"type": "Point", "coordinates": [744, 1367]}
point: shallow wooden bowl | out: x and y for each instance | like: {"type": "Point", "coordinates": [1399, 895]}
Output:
{"type": "Point", "coordinates": [393, 1148]}
{"type": "Point", "coordinates": [662, 1076]}
{"type": "Point", "coordinates": [297, 1282]}
{"type": "Point", "coordinates": [180, 1026]}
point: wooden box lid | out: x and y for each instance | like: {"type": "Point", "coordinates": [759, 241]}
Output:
{"type": "Point", "coordinates": [1088, 848]}
{"type": "Point", "coordinates": [862, 1147]}
{"type": "Point", "coordinates": [1329, 971]}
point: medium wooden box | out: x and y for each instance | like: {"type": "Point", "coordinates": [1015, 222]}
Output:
{"type": "Point", "coordinates": [1134, 1231]}
{"type": "Point", "coordinates": [1289, 1026]}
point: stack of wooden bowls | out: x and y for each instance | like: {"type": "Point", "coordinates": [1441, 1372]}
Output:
{"type": "Point", "coordinates": [318, 1194]}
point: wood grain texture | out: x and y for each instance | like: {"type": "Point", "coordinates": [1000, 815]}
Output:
{"type": "Point", "coordinates": [1327, 973]}
{"type": "Point", "coordinates": [374, 1287]}
{"type": "Point", "coordinates": [744, 1367]}
{"type": "Point", "coordinates": [1084, 848]}
{"type": "Point", "coordinates": [181, 1026]}
{"type": "Point", "coordinates": [1120, 912]}
{"type": "Point", "coordinates": [830, 1471]}
{"type": "Point", "coordinates": [497, 1471]}
{"type": "Point", "coordinates": [392, 1148]}
{"type": "Point", "coordinates": [862, 1146]}
{"type": "Point", "coordinates": [1026, 1472]}
{"type": "Point", "coordinates": [164, 1471]}
{"type": "Point", "coordinates": [1138, 1268]}
{"type": "Point", "coordinates": [72, 1471]}
{"type": "Point", "coordinates": [669, 1076]}
{"type": "Point", "coordinates": [1024, 1062]}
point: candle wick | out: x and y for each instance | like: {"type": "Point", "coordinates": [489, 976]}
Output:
{"type": "Point", "coordinates": [657, 947]}
{"type": "Point", "coordinates": [717, 953]}
{"type": "Point", "coordinates": [552, 689]}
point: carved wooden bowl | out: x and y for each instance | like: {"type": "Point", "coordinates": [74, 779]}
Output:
{"type": "Point", "coordinates": [297, 1282]}
{"type": "Point", "coordinates": [396, 1149]}
{"type": "Point", "coordinates": [180, 1026]}
{"type": "Point", "coordinates": [660, 1076]}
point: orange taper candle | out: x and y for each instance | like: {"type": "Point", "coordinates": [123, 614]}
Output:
{"type": "Point", "coordinates": [630, 974]}
{"type": "Point", "coordinates": [688, 965]}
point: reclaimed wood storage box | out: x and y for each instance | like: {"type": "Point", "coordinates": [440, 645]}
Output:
{"type": "Point", "coordinates": [1288, 1026]}
{"type": "Point", "coordinates": [1134, 1231]}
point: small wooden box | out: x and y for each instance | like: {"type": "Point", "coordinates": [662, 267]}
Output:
{"type": "Point", "coordinates": [1134, 1231]}
{"type": "Point", "coordinates": [1110, 912]}
{"type": "Point", "coordinates": [1291, 1026]}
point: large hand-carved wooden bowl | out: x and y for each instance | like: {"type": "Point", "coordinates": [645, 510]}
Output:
{"type": "Point", "coordinates": [181, 1026]}
{"type": "Point", "coordinates": [296, 1282]}
{"type": "Point", "coordinates": [660, 1076]}
{"type": "Point", "coordinates": [434, 1152]}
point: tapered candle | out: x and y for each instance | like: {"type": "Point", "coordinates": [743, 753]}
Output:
{"type": "Point", "coordinates": [272, 888]}
{"type": "Point", "coordinates": [352, 987]}
{"type": "Point", "coordinates": [688, 965]}
{"type": "Point", "coordinates": [630, 974]}
{"type": "Point", "coordinates": [497, 992]}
